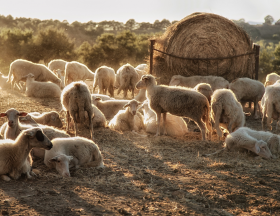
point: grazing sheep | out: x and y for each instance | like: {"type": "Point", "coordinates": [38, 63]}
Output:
{"type": "Point", "coordinates": [20, 68]}
{"type": "Point", "coordinates": [76, 99]}
{"type": "Point", "coordinates": [75, 71]}
{"type": "Point", "coordinates": [225, 105]}
{"type": "Point", "coordinates": [57, 64]}
{"type": "Point", "coordinates": [124, 120]}
{"type": "Point", "coordinates": [175, 125]}
{"type": "Point", "coordinates": [109, 108]}
{"type": "Point", "coordinates": [15, 154]}
{"type": "Point", "coordinates": [73, 152]}
{"type": "Point", "coordinates": [216, 82]}
{"type": "Point", "coordinates": [254, 141]}
{"type": "Point", "coordinates": [105, 78]}
{"type": "Point", "coordinates": [103, 97]}
{"type": "Point", "coordinates": [271, 79]}
{"type": "Point", "coordinates": [177, 101]}
{"type": "Point", "coordinates": [47, 118]}
{"type": "Point", "coordinates": [248, 90]}
{"type": "Point", "coordinates": [126, 79]}
{"type": "Point", "coordinates": [40, 89]}
{"type": "Point", "coordinates": [205, 89]}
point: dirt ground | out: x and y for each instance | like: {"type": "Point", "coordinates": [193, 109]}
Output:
{"type": "Point", "coordinates": [145, 176]}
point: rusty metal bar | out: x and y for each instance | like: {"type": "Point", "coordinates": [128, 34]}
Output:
{"type": "Point", "coordinates": [152, 55]}
{"type": "Point", "coordinates": [257, 60]}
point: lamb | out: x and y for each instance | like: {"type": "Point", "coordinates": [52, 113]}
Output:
{"type": "Point", "coordinates": [177, 101]}
{"type": "Point", "coordinates": [255, 141]}
{"type": "Point", "coordinates": [271, 79]}
{"type": "Point", "coordinates": [76, 99]}
{"type": "Point", "coordinates": [57, 64]}
{"type": "Point", "coordinates": [205, 89]}
{"type": "Point", "coordinates": [248, 90]}
{"type": "Point", "coordinates": [14, 154]}
{"type": "Point", "coordinates": [40, 89]}
{"type": "Point", "coordinates": [175, 126]}
{"type": "Point", "coordinates": [103, 97]}
{"type": "Point", "coordinates": [75, 71]}
{"type": "Point", "coordinates": [47, 118]}
{"type": "Point", "coordinates": [225, 105]}
{"type": "Point", "coordinates": [73, 152]}
{"type": "Point", "coordinates": [105, 78]}
{"type": "Point", "coordinates": [128, 119]}
{"type": "Point", "coordinates": [216, 82]}
{"type": "Point", "coordinates": [20, 68]}
{"type": "Point", "coordinates": [126, 79]}
{"type": "Point", "coordinates": [109, 108]}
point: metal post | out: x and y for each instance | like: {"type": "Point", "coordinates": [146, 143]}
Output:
{"type": "Point", "coordinates": [257, 54]}
{"type": "Point", "coordinates": [152, 55]}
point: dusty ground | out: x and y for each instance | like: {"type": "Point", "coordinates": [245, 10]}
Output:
{"type": "Point", "coordinates": [146, 176]}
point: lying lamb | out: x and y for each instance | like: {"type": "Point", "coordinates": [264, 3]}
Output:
{"type": "Point", "coordinates": [73, 152]}
{"type": "Point", "coordinates": [14, 154]}
{"type": "Point", "coordinates": [177, 101]}
{"type": "Point", "coordinates": [128, 119]}
{"type": "Point", "coordinates": [225, 105]}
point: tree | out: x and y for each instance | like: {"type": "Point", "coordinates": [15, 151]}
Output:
{"type": "Point", "coordinates": [268, 19]}
{"type": "Point", "coordinates": [277, 22]}
{"type": "Point", "coordinates": [130, 24]}
{"type": "Point", "coordinates": [165, 23]}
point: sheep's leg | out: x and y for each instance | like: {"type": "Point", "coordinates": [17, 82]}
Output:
{"type": "Point", "coordinates": [124, 93]}
{"type": "Point", "coordinates": [269, 115]}
{"type": "Point", "coordinates": [158, 123]}
{"type": "Point", "coordinates": [255, 109]}
{"type": "Point", "coordinates": [230, 123]}
{"type": "Point", "coordinates": [264, 117]}
{"type": "Point", "coordinates": [73, 114]}
{"type": "Point", "coordinates": [68, 120]}
{"type": "Point", "coordinates": [202, 128]}
{"type": "Point", "coordinates": [217, 121]}
{"type": "Point", "coordinates": [132, 93]}
{"type": "Point", "coordinates": [164, 121]}
{"type": "Point", "coordinates": [90, 115]}
{"type": "Point", "coordinates": [5, 178]}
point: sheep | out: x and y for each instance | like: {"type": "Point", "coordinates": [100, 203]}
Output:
{"type": "Point", "coordinates": [248, 90]}
{"type": "Point", "coordinates": [20, 68]}
{"type": "Point", "coordinates": [126, 79]}
{"type": "Point", "coordinates": [60, 74]}
{"type": "Point", "coordinates": [57, 64]}
{"type": "Point", "coordinates": [225, 105]}
{"type": "Point", "coordinates": [103, 97]}
{"type": "Point", "coordinates": [141, 70]}
{"type": "Point", "coordinates": [76, 99]}
{"type": "Point", "coordinates": [40, 89]}
{"type": "Point", "coordinates": [73, 152]}
{"type": "Point", "coordinates": [216, 82]}
{"type": "Point", "coordinates": [3, 82]}
{"type": "Point", "coordinates": [14, 154]}
{"type": "Point", "coordinates": [175, 126]}
{"type": "Point", "coordinates": [205, 89]}
{"type": "Point", "coordinates": [178, 101]}
{"type": "Point", "coordinates": [105, 78]}
{"type": "Point", "coordinates": [47, 118]}
{"type": "Point", "coordinates": [141, 96]}
{"type": "Point", "coordinates": [75, 71]}
{"type": "Point", "coordinates": [142, 67]}
{"type": "Point", "coordinates": [271, 79]}
{"type": "Point", "coordinates": [254, 141]}
{"type": "Point", "coordinates": [124, 120]}
{"type": "Point", "coordinates": [109, 108]}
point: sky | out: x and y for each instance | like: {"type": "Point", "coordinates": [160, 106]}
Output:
{"type": "Point", "coordinates": [140, 10]}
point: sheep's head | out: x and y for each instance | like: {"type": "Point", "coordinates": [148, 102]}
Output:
{"type": "Point", "coordinates": [132, 106]}
{"type": "Point", "coordinates": [29, 76]}
{"type": "Point", "coordinates": [13, 115]}
{"type": "Point", "coordinates": [262, 149]}
{"type": "Point", "coordinates": [37, 138]}
{"type": "Point", "coordinates": [53, 119]}
{"type": "Point", "coordinates": [62, 164]}
{"type": "Point", "coordinates": [145, 81]}
{"type": "Point", "coordinates": [175, 80]}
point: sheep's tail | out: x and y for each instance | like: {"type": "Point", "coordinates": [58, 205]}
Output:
{"type": "Point", "coordinates": [10, 75]}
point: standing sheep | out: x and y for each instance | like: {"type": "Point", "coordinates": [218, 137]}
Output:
{"type": "Point", "coordinates": [57, 64]}
{"type": "Point", "coordinates": [126, 79]}
{"type": "Point", "coordinates": [177, 101]}
{"type": "Point", "coordinates": [224, 105]}
{"type": "Point", "coordinates": [73, 152]}
{"type": "Point", "coordinates": [271, 79]}
{"type": "Point", "coordinates": [248, 90]}
{"type": "Point", "coordinates": [205, 89]}
{"type": "Point", "coordinates": [20, 68]}
{"type": "Point", "coordinates": [105, 78]}
{"type": "Point", "coordinates": [75, 71]}
{"type": "Point", "coordinates": [216, 82]}
{"type": "Point", "coordinates": [40, 89]}
{"type": "Point", "coordinates": [76, 99]}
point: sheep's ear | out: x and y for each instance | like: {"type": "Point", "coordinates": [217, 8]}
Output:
{"type": "Point", "coordinates": [54, 159]}
{"type": "Point", "coordinates": [22, 114]}
{"type": "Point", "coordinates": [70, 158]}
{"type": "Point", "coordinates": [127, 105]}
{"type": "Point", "coordinates": [98, 99]}
{"type": "Point", "coordinates": [3, 114]}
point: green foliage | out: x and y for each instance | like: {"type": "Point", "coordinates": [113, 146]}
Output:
{"type": "Point", "coordinates": [276, 61]}
{"type": "Point", "coordinates": [268, 19]}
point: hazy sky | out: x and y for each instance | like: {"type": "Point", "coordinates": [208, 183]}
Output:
{"type": "Point", "coordinates": [140, 10]}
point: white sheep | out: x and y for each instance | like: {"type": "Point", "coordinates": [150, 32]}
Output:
{"type": "Point", "coordinates": [271, 79]}
{"type": "Point", "coordinates": [14, 154]}
{"type": "Point", "coordinates": [105, 78]}
{"type": "Point", "coordinates": [103, 97]}
{"type": "Point", "coordinates": [141, 96]}
{"type": "Point", "coordinates": [73, 152]}
{"type": "Point", "coordinates": [76, 71]}
{"type": "Point", "coordinates": [141, 69]}
{"type": "Point", "coordinates": [205, 89]}
{"type": "Point", "coordinates": [60, 74]}
{"type": "Point", "coordinates": [125, 120]}
{"type": "Point", "coordinates": [177, 101]}
{"type": "Point", "coordinates": [57, 64]}
{"type": "Point", "coordinates": [40, 89]}
{"type": "Point", "coordinates": [225, 105]}
{"type": "Point", "coordinates": [76, 99]}
{"type": "Point", "coordinates": [175, 125]}
{"type": "Point", "coordinates": [20, 68]}
{"type": "Point", "coordinates": [126, 79]}
{"type": "Point", "coordinates": [248, 90]}
{"type": "Point", "coordinates": [216, 82]}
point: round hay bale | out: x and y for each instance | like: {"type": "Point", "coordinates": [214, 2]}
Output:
{"type": "Point", "coordinates": [204, 35]}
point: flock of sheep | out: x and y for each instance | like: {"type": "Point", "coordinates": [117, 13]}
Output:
{"type": "Point", "coordinates": [209, 101]}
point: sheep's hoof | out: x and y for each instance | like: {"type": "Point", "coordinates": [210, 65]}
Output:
{"type": "Point", "coordinates": [5, 178]}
